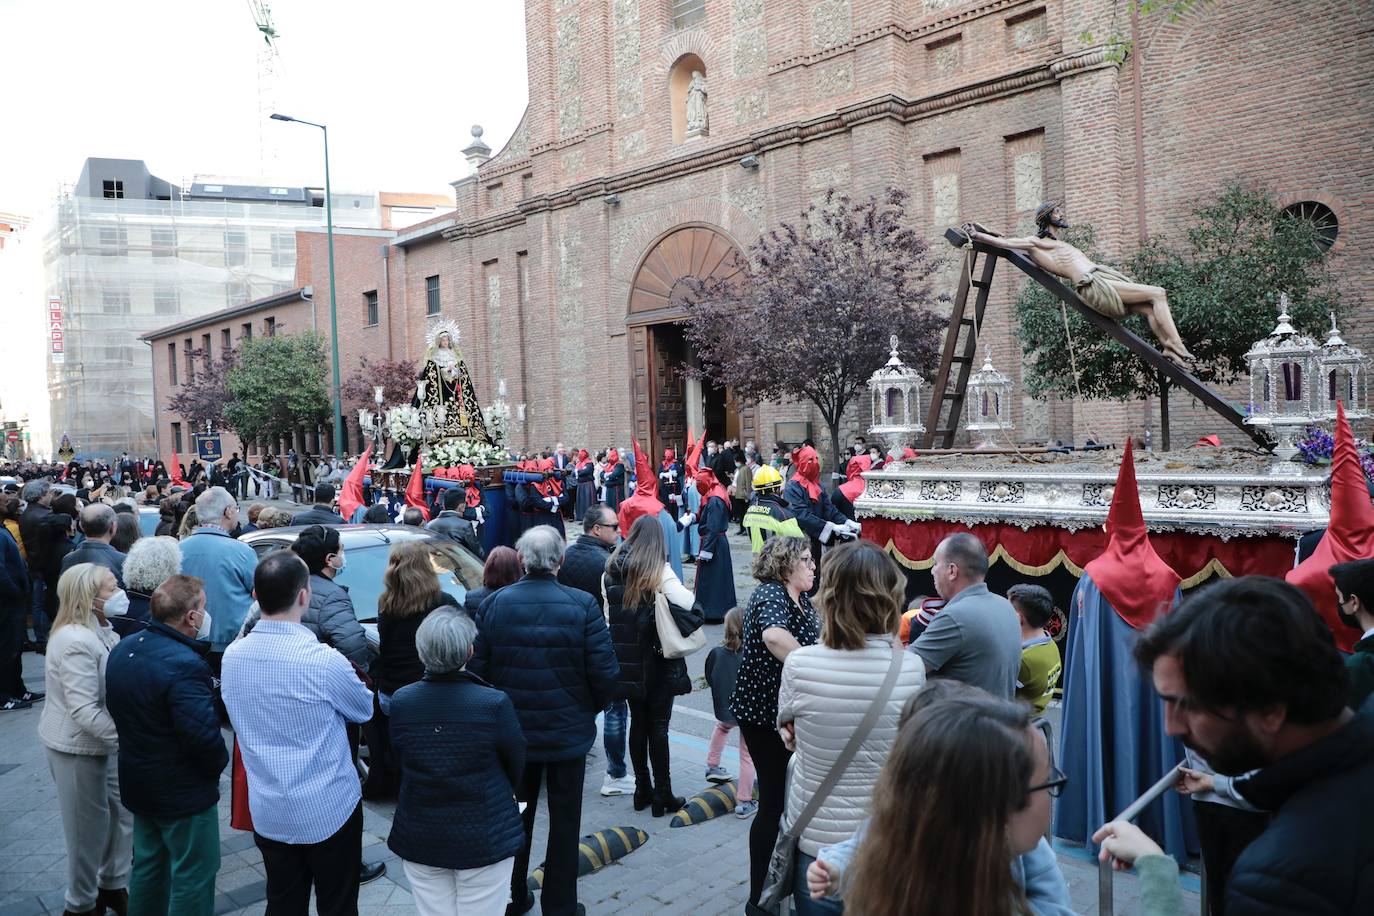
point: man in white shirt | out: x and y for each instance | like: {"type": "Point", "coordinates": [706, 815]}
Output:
{"type": "Point", "coordinates": [289, 698]}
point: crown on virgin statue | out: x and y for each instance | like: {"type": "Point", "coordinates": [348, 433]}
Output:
{"type": "Point", "coordinates": [440, 327]}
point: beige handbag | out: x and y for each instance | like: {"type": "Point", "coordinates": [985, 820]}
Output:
{"type": "Point", "coordinates": [674, 644]}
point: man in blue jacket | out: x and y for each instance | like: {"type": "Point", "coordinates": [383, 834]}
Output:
{"type": "Point", "coordinates": [159, 692]}
{"type": "Point", "coordinates": [546, 645]}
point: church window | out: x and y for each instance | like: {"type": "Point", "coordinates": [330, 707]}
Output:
{"type": "Point", "coordinates": [687, 13]}
{"type": "Point", "coordinates": [1322, 218]}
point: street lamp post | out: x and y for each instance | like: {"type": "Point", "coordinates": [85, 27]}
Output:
{"type": "Point", "coordinates": [333, 307]}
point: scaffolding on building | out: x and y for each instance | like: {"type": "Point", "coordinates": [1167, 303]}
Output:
{"type": "Point", "coordinates": [119, 268]}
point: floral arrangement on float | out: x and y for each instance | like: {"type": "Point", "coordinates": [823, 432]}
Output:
{"type": "Point", "coordinates": [453, 452]}
{"type": "Point", "coordinates": [1317, 446]}
{"type": "Point", "coordinates": [405, 425]}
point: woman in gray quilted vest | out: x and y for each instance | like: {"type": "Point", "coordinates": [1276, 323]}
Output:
{"type": "Point", "coordinates": [826, 690]}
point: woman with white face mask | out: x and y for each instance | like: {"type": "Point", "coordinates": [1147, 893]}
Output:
{"type": "Point", "coordinates": [82, 742]}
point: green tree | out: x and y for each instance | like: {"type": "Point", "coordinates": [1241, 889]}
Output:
{"type": "Point", "coordinates": [1223, 287]}
{"type": "Point", "coordinates": [277, 385]}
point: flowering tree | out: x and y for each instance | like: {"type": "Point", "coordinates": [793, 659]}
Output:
{"type": "Point", "coordinates": [396, 378]}
{"type": "Point", "coordinates": [203, 397]}
{"type": "Point", "coordinates": [810, 311]}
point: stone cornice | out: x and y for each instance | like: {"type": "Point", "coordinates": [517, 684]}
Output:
{"type": "Point", "coordinates": [879, 108]}
{"type": "Point", "coordinates": [906, 34]}
{"type": "Point", "coordinates": [1096, 58]}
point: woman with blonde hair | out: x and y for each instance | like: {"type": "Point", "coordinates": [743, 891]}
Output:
{"type": "Point", "coordinates": [82, 743]}
{"type": "Point", "coordinates": [189, 522]}
{"type": "Point", "coordinates": [637, 573]}
{"type": "Point", "coordinates": [826, 692]}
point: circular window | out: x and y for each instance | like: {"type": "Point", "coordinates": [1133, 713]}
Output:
{"type": "Point", "coordinates": [1321, 217]}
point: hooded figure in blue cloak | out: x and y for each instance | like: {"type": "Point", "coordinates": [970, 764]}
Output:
{"type": "Point", "coordinates": [1113, 746]}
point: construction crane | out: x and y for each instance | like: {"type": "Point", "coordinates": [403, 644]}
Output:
{"type": "Point", "coordinates": [269, 70]}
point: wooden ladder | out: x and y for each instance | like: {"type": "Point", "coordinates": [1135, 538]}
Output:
{"type": "Point", "coordinates": [945, 425]}
{"type": "Point", "coordinates": [961, 344]}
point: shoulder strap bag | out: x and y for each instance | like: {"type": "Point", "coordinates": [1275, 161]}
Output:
{"type": "Point", "coordinates": [778, 885]}
{"type": "Point", "coordinates": [670, 638]}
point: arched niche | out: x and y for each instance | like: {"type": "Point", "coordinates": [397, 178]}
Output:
{"type": "Point", "coordinates": [679, 78]}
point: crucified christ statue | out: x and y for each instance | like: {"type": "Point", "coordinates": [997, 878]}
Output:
{"type": "Point", "coordinates": [1105, 290]}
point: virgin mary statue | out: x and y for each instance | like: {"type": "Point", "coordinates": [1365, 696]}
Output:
{"type": "Point", "coordinates": [444, 382]}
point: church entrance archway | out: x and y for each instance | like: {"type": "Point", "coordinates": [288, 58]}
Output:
{"type": "Point", "coordinates": [665, 400]}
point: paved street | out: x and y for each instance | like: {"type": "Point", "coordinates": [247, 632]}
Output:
{"type": "Point", "coordinates": [700, 869]}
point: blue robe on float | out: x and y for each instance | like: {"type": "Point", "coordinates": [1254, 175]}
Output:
{"type": "Point", "coordinates": [1112, 743]}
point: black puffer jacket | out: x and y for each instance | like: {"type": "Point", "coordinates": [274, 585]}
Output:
{"type": "Point", "coordinates": [644, 672]}
{"type": "Point", "coordinates": [461, 753]}
{"type": "Point", "coordinates": [547, 647]}
{"type": "Point", "coordinates": [1318, 854]}
{"type": "Point", "coordinates": [583, 564]}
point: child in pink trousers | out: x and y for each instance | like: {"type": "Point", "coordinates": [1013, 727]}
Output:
{"type": "Point", "coordinates": [722, 667]}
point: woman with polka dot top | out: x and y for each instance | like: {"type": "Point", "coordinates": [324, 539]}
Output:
{"type": "Point", "coordinates": [778, 620]}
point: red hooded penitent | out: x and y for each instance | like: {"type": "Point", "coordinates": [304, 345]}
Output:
{"type": "Point", "coordinates": [808, 474]}
{"type": "Point", "coordinates": [351, 494]}
{"type": "Point", "coordinates": [1349, 534]}
{"type": "Point", "coordinates": [1131, 576]}
{"type": "Point", "coordinates": [415, 490]}
{"type": "Point", "coordinates": [853, 488]}
{"type": "Point", "coordinates": [645, 498]}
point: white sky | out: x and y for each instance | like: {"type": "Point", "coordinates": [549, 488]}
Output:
{"type": "Point", "coordinates": [174, 82]}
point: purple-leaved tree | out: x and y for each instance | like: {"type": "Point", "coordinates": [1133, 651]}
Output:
{"type": "Point", "coordinates": [809, 314]}
{"type": "Point", "coordinates": [396, 377]}
{"type": "Point", "coordinates": [202, 398]}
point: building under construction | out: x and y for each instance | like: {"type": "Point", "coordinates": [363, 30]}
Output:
{"type": "Point", "coordinates": [127, 252]}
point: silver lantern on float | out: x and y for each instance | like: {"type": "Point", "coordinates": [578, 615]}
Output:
{"type": "Point", "coordinates": [895, 388]}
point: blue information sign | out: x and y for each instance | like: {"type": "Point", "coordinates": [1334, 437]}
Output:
{"type": "Point", "coordinates": [209, 448]}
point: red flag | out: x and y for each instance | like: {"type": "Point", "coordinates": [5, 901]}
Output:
{"type": "Point", "coordinates": [1129, 573]}
{"type": "Point", "coordinates": [1349, 534]}
{"type": "Point", "coordinates": [351, 495]}
{"type": "Point", "coordinates": [175, 469]}
{"type": "Point", "coordinates": [415, 490]}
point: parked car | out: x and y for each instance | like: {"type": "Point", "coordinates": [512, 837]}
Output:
{"type": "Point", "coordinates": [368, 548]}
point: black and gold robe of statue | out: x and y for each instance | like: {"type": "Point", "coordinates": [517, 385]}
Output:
{"type": "Point", "coordinates": [463, 416]}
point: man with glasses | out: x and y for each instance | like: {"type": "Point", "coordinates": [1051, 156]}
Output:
{"type": "Point", "coordinates": [1252, 680]}
{"type": "Point", "coordinates": [583, 565]}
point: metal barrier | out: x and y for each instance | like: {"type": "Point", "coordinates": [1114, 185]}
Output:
{"type": "Point", "coordinates": [1104, 868]}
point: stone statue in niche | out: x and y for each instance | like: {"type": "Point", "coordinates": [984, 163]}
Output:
{"type": "Point", "coordinates": [696, 106]}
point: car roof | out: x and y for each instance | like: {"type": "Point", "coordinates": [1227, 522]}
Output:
{"type": "Point", "coordinates": [350, 536]}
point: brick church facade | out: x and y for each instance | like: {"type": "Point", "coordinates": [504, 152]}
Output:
{"type": "Point", "coordinates": [568, 242]}
{"type": "Point", "coordinates": [563, 259]}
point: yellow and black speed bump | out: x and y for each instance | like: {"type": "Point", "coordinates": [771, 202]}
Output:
{"type": "Point", "coordinates": [712, 801]}
{"type": "Point", "coordinates": [597, 850]}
